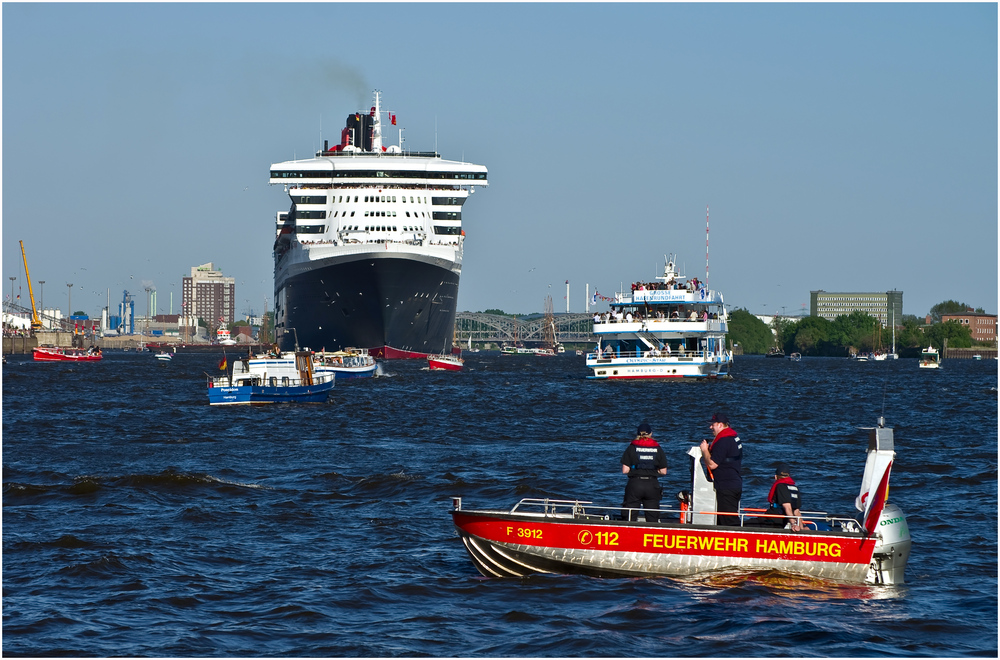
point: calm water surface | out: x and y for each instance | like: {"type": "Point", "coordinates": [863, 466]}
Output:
{"type": "Point", "coordinates": [139, 521]}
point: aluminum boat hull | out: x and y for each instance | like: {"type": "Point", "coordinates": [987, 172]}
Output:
{"type": "Point", "coordinates": [502, 545]}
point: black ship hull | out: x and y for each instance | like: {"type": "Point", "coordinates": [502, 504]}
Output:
{"type": "Point", "coordinates": [396, 306]}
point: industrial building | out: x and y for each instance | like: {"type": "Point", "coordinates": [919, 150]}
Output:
{"type": "Point", "coordinates": [886, 306]}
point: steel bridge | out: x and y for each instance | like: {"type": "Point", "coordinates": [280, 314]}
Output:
{"type": "Point", "coordinates": [499, 329]}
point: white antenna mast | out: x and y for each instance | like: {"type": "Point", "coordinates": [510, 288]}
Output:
{"type": "Point", "coordinates": [706, 246]}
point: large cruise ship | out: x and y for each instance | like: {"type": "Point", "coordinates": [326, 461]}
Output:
{"type": "Point", "coordinates": [370, 253]}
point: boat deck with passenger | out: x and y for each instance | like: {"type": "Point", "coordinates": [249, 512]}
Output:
{"type": "Point", "coordinates": [574, 536]}
{"type": "Point", "coordinates": [671, 328]}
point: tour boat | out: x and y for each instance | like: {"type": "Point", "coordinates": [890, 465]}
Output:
{"type": "Point", "coordinates": [282, 378]}
{"type": "Point", "coordinates": [348, 363]}
{"type": "Point", "coordinates": [445, 362]}
{"type": "Point", "coordinates": [674, 328]}
{"type": "Point", "coordinates": [573, 536]}
{"type": "Point", "coordinates": [930, 358]}
{"type": "Point", "coordinates": [59, 354]}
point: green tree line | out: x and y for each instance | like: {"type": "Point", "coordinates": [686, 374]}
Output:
{"type": "Point", "coordinates": [851, 333]}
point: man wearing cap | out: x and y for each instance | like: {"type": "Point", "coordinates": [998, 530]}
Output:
{"type": "Point", "coordinates": [784, 499]}
{"type": "Point", "coordinates": [724, 459]}
{"type": "Point", "coordinates": [643, 461]}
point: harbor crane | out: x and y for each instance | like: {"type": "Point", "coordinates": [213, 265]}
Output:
{"type": "Point", "coordinates": [36, 323]}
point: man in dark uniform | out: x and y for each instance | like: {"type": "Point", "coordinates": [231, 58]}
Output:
{"type": "Point", "coordinates": [724, 460]}
{"type": "Point", "coordinates": [643, 462]}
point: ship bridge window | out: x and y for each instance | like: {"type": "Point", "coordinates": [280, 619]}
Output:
{"type": "Point", "coordinates": [308, 199]}
{"type": "Point", "coordinates": [447, 215]}
{"type": "Point", "coordinates": [450, 231]}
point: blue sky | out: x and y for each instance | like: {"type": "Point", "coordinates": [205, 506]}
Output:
{"type": "Point", "coordinates": [845, 147]}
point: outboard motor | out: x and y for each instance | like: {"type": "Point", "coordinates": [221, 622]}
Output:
{"type": "Point", "coordinates": [892, 548]}
{"type": "Point", "coordinates": [880, 518]}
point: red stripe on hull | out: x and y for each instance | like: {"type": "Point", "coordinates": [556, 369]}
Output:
{"type": "Point", "coordinates": [677, 540]}
{"type": "Point", "coordinates": [390, 353]}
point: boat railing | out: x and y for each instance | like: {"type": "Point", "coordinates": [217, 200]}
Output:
{"type": "Point", "coordinates": [552, 508]}
{"type": "Point", "coordinates": [654, 320]}
{"type": "Point", "coordinates": [672, 356]}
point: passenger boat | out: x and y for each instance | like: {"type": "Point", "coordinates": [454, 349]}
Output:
{"type": "Point", "coordinates": [348, 363]}
{"type": "Point", "coordinates": [60, 354]}
{"type": "Point", "coordinates": [370, 251]}
{"type": "Point", "coordinates": [516, 350]}
{"type": "Point", "coordinates": [673, 328]}
{"type": "Point", "coordinates": [163, 356]}
{"type": "Point", "coordinates": [930, 358]}
{"type": "Point", "coordinates": [775, 353]}
{"type": "Point", "coordinates": [573, 536]}
{"type": "Point", "coordinates": [445, 362]}
{"type": "Point", "coordinates": [280, 378]}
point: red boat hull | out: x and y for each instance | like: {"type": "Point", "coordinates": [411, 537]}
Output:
{"type": "Point", "coordinates": [445, 364]}
{"type": "Point", "coordinates": [64, 355]}
{"type": "Point", "coordinates": [505, 545]}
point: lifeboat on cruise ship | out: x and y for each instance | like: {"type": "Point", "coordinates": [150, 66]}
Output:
{"type": "Point", "coordinates": [572, 536]}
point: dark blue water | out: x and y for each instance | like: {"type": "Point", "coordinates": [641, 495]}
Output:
{"type": "Point", "coordinates": [138, 521]}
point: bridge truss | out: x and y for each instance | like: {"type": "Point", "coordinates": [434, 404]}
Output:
{"type": "Point", "coordinates": [498, 329]}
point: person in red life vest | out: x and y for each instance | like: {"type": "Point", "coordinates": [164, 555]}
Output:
{"type": "Point", "coordinates": [785, 498]}
{"type": "Point", "coordinates": [724, 460]}
{"type": "Point", "coordinates": [643, 461]}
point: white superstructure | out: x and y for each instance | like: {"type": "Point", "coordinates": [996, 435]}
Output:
{"type": "Point", "coordinates": [672, 328]}
{"type": "Point", "coordinates": [358, 202]}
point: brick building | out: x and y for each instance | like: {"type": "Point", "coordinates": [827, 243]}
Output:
{"type": "Point", "coordinates": [983, 326]}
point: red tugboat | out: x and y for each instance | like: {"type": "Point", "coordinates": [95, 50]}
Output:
{"type": "Point", "coordinates": [570, 536]}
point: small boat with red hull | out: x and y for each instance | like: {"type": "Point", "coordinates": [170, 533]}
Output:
{"type": "Point", "coordinates": [61, 354]}
{"type": "Point", "coordinates": [572, 536]}
{"type": "Point", "coordinates": [445, 363]}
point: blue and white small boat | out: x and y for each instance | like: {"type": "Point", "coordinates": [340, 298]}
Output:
{"type": "Point", "coordinates": [276, 378]}
{"type": "Point", "coordinates": [348, 363]}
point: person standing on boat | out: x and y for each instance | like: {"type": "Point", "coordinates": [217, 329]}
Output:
{"type": "Point", "coordinates": [643, 461]}
{"type": "Point", "coordinates": [724, 459]}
